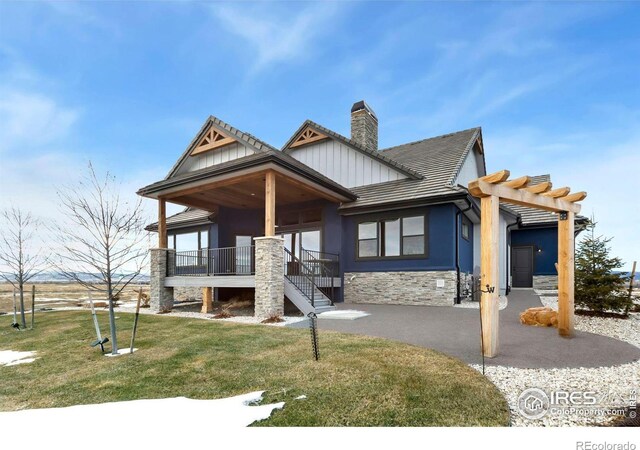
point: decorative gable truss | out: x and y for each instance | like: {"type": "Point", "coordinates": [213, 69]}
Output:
{"type": "Point", "coordinates": [211, 140]}
{"type": "Point", "coordinates": [307, 136]}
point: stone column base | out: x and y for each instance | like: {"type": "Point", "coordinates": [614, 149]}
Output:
{"type": "Point", "coordinates": [161, 296]}
{"type": "Point", "coordinates": [269, 261]}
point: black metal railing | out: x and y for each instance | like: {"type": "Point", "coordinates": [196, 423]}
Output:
{"type": "Point", "coordinates": [326, 266]}
{"type": "Point", "coordinates": [301, 276]}
{"type": "Point", "coordinates": [212, 261]}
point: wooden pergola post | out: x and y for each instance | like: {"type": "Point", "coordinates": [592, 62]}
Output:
{"type": "Point", "coordinates": [162, 223]}
{"type": "Point", "coordinates": [491, 189]}
{"type": "Point", "coordinates": [490, 235]}
{"type": "Point", "coordinates": [566, 273]}
{"type": "Point", "coordinates": [270, 204]}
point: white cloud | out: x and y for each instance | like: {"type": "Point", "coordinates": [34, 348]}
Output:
{"type": "Point", "coordinates": [277, 38]}
{"type": "Point", "coordinates": [29, 119]}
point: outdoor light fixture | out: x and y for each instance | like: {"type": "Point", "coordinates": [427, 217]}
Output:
{"type": "Point", "coordinates": [539, 249]}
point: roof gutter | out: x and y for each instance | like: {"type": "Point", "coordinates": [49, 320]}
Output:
{"type": "Point", "coordinates": [457, 240]}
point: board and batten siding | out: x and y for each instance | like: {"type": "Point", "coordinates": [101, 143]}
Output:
{"type": "Point", "coordinates": [345, 165]}
{"type": "Point", "coordinates": [214, 157]}
{"type": "Point", "coordinates": [471, 169]}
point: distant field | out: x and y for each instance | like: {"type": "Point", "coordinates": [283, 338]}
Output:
{"type": "Point", "coordinates": [55, 295]}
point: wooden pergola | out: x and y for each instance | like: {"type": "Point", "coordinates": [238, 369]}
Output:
{"type": "Point", "coordinates": [492, 189]}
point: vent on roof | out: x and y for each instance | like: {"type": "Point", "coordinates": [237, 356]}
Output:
{"type": "Point", "coordinates": [364, 126]}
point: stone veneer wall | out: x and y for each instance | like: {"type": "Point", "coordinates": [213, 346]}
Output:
{"type": "Point", "coordinates": [187, 293]}
{"type": "Point", "coordinates": [269, 261]}
{"type": "Point", "coordinates": [400, 288]}
{"type": "Point", "coordinates": [161, 296]}
{"type": "Point", "coordinates": [545, 282]}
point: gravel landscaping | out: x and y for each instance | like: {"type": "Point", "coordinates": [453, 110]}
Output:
{"type": "Point", "coordinates": [614, 387]}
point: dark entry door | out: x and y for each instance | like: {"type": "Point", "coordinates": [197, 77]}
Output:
{"type": "Point", "coordinates": [522, 271]}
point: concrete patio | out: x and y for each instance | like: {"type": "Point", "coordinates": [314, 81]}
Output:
{"type": "Point", "coordinates": [456, 332]}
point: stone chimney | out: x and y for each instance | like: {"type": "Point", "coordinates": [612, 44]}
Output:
{"type": "Point", "coordinates": [364, 126]}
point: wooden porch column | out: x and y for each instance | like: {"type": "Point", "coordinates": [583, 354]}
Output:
{"type": "Point", "coordinates": [207, 300]}
{"type": "Point", "coordinates": [162, 223]}
{"type": "Point", "coordinates": [489, 249]}
{"type": "Point", "coordinates": [270, 204]}
{"type": "Point", "coordinates": [566, 260]}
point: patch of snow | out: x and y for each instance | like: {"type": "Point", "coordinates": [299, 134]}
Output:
{"type": "Point", "coordinates": [13, 358]}
{"type": "Point", "coordinates": [343, 314]}
{"type": "Point", "coordinates": [121, 351]}
{"type": "Point", "coordinates": [301, 397]}
{"type": "Point", "coordinates": [183, 413]}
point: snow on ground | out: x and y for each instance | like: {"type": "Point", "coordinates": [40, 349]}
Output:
{"type": "Point", "coordinates": [122, 423]}
{"type": "Point", "coordinates": [121, 351]}
{"type": "Point", "coordinates": [614, 385]}
{"type": "Point", "coordinates": [343, 314]}
{"type": "Point", "coordinates": [13, 358]}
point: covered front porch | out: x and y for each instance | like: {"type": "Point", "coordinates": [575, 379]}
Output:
{"type": "Point", "coordinates": [256, 245]}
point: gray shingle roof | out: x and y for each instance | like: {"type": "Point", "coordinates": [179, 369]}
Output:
{"type": "Point", "coordinates": [438, 160]}
{"type": "Point", "coordinates": [186, 218]}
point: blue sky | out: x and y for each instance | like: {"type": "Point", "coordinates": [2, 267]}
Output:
{"type": "Point", "coordinates": [556, 87]}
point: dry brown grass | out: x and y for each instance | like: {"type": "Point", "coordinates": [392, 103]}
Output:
{"type": "Point", "coordinates": [56, 295]}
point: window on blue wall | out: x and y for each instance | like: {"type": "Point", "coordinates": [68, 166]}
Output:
{"type": "Point", "coordinates": [465, 229]}
{"type": "Point", "coordinates": [392, 238]}
{"type": "Point", "coordinates": [413, 235]}
{"type": "Point", "coordinates": [368, 240]}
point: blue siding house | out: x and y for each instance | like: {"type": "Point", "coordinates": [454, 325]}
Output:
{"type": "Point", "coordinates": [328, 219]}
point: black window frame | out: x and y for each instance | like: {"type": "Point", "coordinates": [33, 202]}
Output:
{"type": "Point", "coordinates": [464, 221]}
{"type": "Point", "coordinates": [380, 220]}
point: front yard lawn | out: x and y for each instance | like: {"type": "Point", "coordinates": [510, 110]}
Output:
{"type": "Point", "coordinates": [358, 381]}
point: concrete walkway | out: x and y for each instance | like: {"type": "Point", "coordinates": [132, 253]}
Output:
{"type": "Point", "coordinates": [456, 332]}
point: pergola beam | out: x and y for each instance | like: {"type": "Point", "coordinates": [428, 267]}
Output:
{"type": "Point", "coordinates": [479, 188]}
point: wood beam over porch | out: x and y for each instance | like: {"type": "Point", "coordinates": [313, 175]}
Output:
{"type": "Point", "coordinates": [496, 187]}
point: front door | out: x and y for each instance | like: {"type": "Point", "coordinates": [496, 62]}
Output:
{"type": "Point", "coordinates": [522, 266]}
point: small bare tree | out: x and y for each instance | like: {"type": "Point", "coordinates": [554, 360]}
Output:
{"type": "Point", "coordinates": [104, 246]}
{"type": "Point", "coordinates": [21, 260]}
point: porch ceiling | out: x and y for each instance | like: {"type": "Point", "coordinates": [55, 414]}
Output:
{"type": "Point", "coordinates": [247, 192]}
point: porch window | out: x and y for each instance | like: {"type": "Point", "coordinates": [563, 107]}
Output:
{"type": "Point", "coordinates": [392, 238]}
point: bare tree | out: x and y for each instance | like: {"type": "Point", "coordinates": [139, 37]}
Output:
{"type": "Point", "coordinates": [22, 261]}
{"type": "Point", "coordinates": [103, 245]}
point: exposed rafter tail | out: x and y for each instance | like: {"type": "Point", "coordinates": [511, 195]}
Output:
{"type": "Point", "coordinates": [576, 197]}
{"type": "Point", "coordinates": [558, 193]}
{"type": "Point", "coordinates": [518, 183]}
{"type": "Point", "coordinates": [545, 186]}
{"type": "Point", "coordinates": [497, 177]}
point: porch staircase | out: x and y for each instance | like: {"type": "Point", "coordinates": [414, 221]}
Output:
{"type": "Point", "coordinates": [301, 288]}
